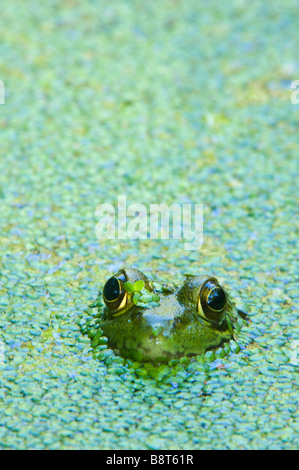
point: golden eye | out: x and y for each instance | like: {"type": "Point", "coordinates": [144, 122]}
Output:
{"type": "Point", "coordinates": [212, 300]}
{"type": "Point", "coordinates": [115, 297]}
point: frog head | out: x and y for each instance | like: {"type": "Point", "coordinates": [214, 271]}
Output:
{"type": "Point", "coordinates": [159, 322]}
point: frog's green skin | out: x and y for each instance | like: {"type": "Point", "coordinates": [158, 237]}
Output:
{"type": "Point", "coordinates": [174, 328]}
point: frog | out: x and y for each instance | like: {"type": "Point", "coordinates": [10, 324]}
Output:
{"type": "Point", "coordinates": [185, 320]}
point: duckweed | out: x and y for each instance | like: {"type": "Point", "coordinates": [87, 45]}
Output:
{"type": "Point", "coordinates": [184, 103]}
{"type": "Point", "coordinates": [142, 296]}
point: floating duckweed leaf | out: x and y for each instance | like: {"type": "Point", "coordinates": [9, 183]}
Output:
{"type": "Point", "coordinates": [154, 304]}
{"type": "Point", "coordinates": [129, 287]}
{"type": "Point", "coordinates": [136, 297]}
{"type": "Point", "coordinates": [234, 347]}
{"type": "Point", "coordinates": [147, 298]}
{"type": "Point", "coordinates": [156, 297]}
{"type": "Point", "coordinates": [209, 356]}
{"type": "Point", "coordinates": [138, 285]}
{"type": "Point", "coordinates": [97, 303]}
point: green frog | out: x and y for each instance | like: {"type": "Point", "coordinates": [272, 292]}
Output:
{"type": "Point", "coordinates": [160, 322]}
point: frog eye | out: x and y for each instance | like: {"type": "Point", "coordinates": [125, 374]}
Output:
{"type": "Point", "coordinates": [115, 297]}
{"type": "Point", "coordinates": [212, 301]}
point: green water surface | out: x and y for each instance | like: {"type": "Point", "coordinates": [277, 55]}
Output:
{"type": "Point", "coordinates": [168, 101]}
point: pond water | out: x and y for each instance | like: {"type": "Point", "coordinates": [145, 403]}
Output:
{"type": "Point", "coordinates": [171, 103]}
